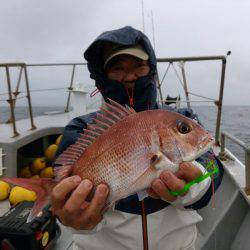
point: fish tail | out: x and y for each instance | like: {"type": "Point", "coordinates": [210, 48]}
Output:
{"type": "Point", "coordinates": [42, 187]}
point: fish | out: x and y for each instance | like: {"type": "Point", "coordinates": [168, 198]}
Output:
{"type": "Point", "coordinates": [126, 150]}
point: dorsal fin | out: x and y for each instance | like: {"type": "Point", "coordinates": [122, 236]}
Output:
{"type": "Point", "coordinates": [111, 114]}
{"type": "Point", "coordinates": [126, 109]}
{"type": "Point", "coordinates": [108, 115]}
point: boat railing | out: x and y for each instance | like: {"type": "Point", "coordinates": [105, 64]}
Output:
{"type": "Point", "coordinates": [70, 88]}
{"type": "Point", "coordinates": [183, 81]}
{"type": "Point", "coordinates": [246, 148]}
{"type": "Point", "coordinates": [13, 96]}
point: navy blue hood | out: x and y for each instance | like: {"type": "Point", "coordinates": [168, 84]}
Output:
{"type": "Point", "coordinates": [145, 87]}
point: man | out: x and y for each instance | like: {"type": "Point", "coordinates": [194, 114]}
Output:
{"type": "Point", "coordinates": [123, 65]}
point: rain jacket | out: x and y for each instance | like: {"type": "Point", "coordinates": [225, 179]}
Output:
{"type": "Point", "coordinates": [170, 226]}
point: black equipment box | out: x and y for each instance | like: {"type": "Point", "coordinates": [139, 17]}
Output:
{"type": "Point", "coordinates": [17, 234]}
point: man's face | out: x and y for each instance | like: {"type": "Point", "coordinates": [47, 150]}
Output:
{"type": "Point", "coordinates": [126, 69]}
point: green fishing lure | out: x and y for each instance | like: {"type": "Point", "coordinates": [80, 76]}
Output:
{"type": "Point", "coordinates": [197, 180]}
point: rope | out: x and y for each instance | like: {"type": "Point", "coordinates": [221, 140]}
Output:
{"type": "Point", "coordinates": [207, 98]}
{"type": "Point", "coordinates": [181, 82]}
{"type": "Point", "coordinates": [179, 78]}
{"type": "Point", "coordinates": [164, 74]}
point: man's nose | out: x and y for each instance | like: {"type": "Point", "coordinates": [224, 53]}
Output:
{"type": "Point", "coordinates": [130, 77]}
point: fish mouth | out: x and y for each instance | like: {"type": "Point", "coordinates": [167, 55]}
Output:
{"type": "Point", "coordinates": [203, 147]}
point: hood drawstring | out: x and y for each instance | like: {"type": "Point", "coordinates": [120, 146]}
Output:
{"type": "Point", "coordinates": [130, 92]}
{"type": "Point", "coordinates": [94, 92]}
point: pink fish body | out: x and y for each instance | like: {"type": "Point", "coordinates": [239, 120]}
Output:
{"type": "Point", "coordinates": [128, 150]}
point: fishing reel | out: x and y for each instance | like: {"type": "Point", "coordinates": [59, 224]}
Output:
{"type": "Point", "coordinates": [17, 234]}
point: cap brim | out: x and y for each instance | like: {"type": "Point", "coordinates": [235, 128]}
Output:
{"type": "Point", "coordinates": [133, 51]}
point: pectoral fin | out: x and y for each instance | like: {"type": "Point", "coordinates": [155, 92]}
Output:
{"type": "Point", "coordinates": [160, 162]}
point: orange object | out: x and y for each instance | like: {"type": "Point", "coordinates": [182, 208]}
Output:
{"type": "Point", "coordinates": [37, 165]}
{"type": "Point", "coordinates": [50, 152]}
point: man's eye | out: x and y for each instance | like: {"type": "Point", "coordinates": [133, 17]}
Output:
{"type": "Point", "coordinates": [140, 65]}
{"type": "Point", "coordinates": [117, 68]}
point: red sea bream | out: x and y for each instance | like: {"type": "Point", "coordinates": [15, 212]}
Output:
{"type": "Point", "coordinates": [128, 150]}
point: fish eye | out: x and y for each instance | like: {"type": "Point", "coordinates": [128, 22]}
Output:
{"type": "Point", "coordinates": [183, 127]}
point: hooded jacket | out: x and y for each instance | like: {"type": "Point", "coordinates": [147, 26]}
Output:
{"type": "Point", "coordinates": [145, 87]}
{"type": "Point", "coordinates": [144, 98]}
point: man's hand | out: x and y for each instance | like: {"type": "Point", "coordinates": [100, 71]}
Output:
{"type": "Point", "coordinates": [68, 202]}
{"type": "Point", "coordinates": [168, 181]}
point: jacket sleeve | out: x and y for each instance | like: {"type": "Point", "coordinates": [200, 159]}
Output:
{"type": "Point", "coordinates": [73, 130]}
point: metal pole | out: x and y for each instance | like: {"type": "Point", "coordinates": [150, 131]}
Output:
{"type": "Point", "coordinates": [16, 93]}
{"type": "Point", "coordinates": [247, 156]}
{"type": "Point", "coordinates": [190, 59]}
{"type": "Point", "coordinates": [29, 98]}
{"type": "Point", "coordinates": [53, 64]}
{"type": "Point", "coordinates": [70, 88]}
{"type": "Point", "coordinates": [11, 102]}
{"type": "Point", "coordinates": [158, 85]}
{"type": "Point", "coordinates": [219, 103]}
{"type": "Point", "coordinates": [185, 84]}
{"type": "Point", "coordinates": [247, 170]}
{"type": "Point", "coordinates": [142, 9]}
{"type": "Point", "coordinates": [18, 81]}
{"type": "Point", "coordinates": [222, 149]}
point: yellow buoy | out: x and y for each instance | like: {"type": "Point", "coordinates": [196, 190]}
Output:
{"type": "Point", "coordinates": [50, 152]}
{"type": "Point", "coordinates": [4, 190]}
{"type": "Point", "coordinates": [19, 194]}
{"type": "Point", "coordinates": [58, 140]}
{"type": "Point", "coordinates": [47, 173]}
{"type": "Point", "coordinates": [37, 165]}
{"type": "Point", "coordinates": [36, 176]}
{"type": "Point", "coordinates": [25, 172]}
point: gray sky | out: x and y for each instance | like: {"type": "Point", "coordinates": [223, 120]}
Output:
{"type": "Point", "coordinates": [35, 31]}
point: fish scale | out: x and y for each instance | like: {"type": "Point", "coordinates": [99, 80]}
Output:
{"type": "Point", "coordinates": [130, 156]}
